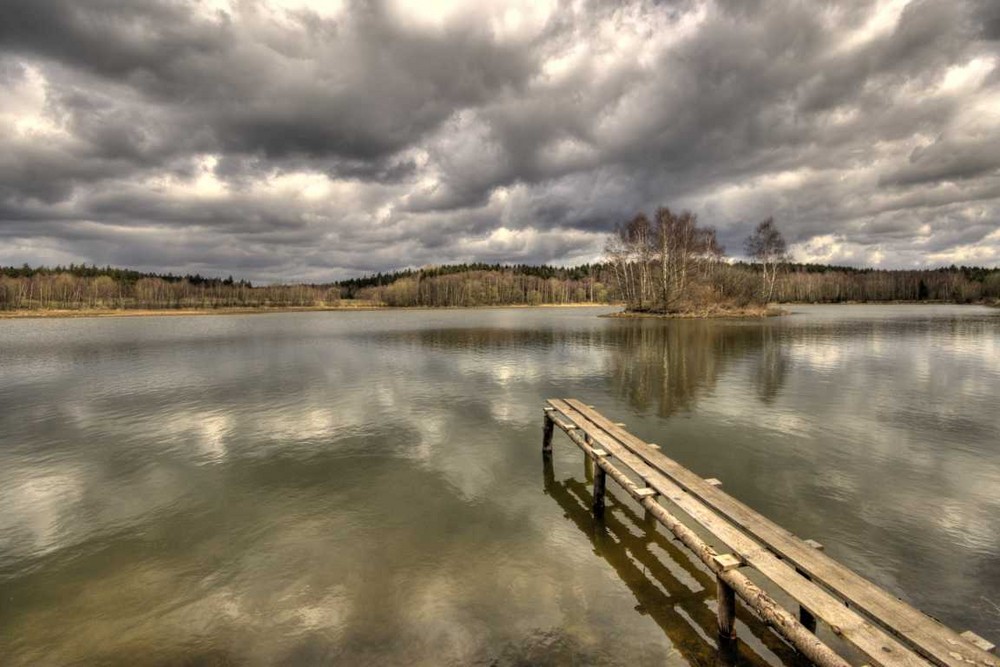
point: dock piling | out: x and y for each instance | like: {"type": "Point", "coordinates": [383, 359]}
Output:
{"type": "Point", "coordinates": [547, 433]}
{"type": "Point", "coordinates": [600, 482]}
{"type": "Point", "coordinates": [727, 609]}
{"type": "Point", "coordinates": [726, 596]}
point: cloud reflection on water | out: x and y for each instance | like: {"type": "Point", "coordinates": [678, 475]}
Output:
{"type": "Point", "coordinates": [365, 486]}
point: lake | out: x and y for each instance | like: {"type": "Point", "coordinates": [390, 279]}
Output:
{"type": "Point", "coordinates": [367, 487]}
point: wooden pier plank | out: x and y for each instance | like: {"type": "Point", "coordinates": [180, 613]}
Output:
{"type": "Point", "coordinates": [635, 562]}
{"type": "Point", "coordinates": [879, 646]}
{"type": "Point", "coordinates": [809, 646]}
{"type": "Point", "coordinates": [933, 640]}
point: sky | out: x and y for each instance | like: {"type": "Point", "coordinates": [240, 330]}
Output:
{"type": "Point", "coordinates": [282, 140]}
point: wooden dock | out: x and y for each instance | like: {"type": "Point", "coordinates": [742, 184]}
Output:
{"type": "Point", "coordinates": [879, 625]}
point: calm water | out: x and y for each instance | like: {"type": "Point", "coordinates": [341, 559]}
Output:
{"type": "Point", "coordinates": [367, 488]}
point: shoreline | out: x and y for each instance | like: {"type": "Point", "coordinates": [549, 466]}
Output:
{"type": "Point", "coordinates": [56, 313]}
{"type": "Point", "coordinates": [737, 314]}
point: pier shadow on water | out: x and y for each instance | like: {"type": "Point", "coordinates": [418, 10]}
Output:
{"type": "Point", "coordinates": [669, 585]}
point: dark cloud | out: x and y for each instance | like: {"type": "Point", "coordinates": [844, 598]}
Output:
{"type": "Point", "coordinates": [284, 139]}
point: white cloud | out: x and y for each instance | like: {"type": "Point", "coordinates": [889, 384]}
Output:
{"type": "Point", "coordinates": [316, 140]}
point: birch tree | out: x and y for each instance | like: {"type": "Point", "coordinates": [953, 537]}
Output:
{"type": "Point", "coordinates": [767, 246]}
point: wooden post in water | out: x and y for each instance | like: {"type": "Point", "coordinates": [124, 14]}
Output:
{"type": "Point", "coordinates": [600, 482]}
{"type": "Point", "coordinates": [600, 478]}
{"type": "Point", "coordinates": [588, 463]}
{"type": "Point", "coordinates": [547, 433]}
{"type": "Point", "coordinates": [726, 612]}
{"type": "Point", "coordinates": [728, 653]}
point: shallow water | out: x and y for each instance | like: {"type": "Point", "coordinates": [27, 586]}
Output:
{"type": "Point", "coordinates": [367, 488]}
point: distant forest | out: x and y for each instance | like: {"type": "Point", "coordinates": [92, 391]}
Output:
{"type": "Point", "coordinates": [78, 287]}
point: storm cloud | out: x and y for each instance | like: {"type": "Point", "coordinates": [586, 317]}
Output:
{"type": "Point", "coordinates": [290, 140]}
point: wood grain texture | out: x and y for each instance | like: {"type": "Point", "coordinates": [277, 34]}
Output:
{"type": "Point", "coordinates": [931, 639]}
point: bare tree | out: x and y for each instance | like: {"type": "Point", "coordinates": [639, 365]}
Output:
{"type": "Point", "coordinates": [767, 246]}
{"type": "Point", "coordinates": [686, 253]}
{"type": "Point", "coordinates": [642, 240]}
{"type": "Point", "coordinates": [664, 265]}
{"type": "Point", "coordinates": [616, 252]}
{"type": "Point", "coordinates": [630, 250]}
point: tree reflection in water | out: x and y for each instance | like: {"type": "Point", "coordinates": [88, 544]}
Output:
{"type": "Point", "coordinates": [666, 366]}
{"type": "Point", "coordinates": [660, 366]}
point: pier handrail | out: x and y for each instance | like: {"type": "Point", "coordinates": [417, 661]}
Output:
{"type": "Point", "coordinates": [887, 630]}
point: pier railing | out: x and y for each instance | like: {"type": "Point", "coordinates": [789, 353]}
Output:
{"type": "Point", "coordinates": [885, 629]}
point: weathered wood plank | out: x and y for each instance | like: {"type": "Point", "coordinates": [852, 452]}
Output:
{"type": "Point", "coordinates": [805, 616]}
{"type": "Point", "coordinates": [773, 614]}
{"type": "Point", "coordinates": [932, 639]}
{"type": "Point", "coordinates": [879, 646]}
{"type": "Point", "coordinates": [982, 643]}
{"type": "Point", "coordinates": [727, 561]}
{"type": "Point", "coordinates": [636, 565]}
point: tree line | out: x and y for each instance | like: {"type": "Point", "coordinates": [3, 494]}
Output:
{"type": "Point", "coordinates": [115, 273]}
{"type": "Point", "coordinates": [803, 283]}
{"type": "Point", "coordinates": [81, 287]}
{"type": "Point", "coordinates": [352, 288]}
{"type": "Point", "coordinates": [697, 275]}
{"type": "Point", "coordinates": [493, 286]}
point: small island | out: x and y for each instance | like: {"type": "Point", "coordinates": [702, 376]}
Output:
{"type": "Point", "coordinates": [672, 267]}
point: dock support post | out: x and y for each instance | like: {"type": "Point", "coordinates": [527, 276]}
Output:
{"type": "Point", "coordinates": [726, 596]}
{"type": "Point", "coordinates": [728, 653]}
{"type": "Point", "coordinates": [727, 609]}
{"type": "Point", "coordinates": [588, 462]}
{"type": "Point", "coordinates": [547, 433]}
{"type": "Point", "coordinates": [548, 473]}
{"type": "Point", "coordinates": [600, 481]}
